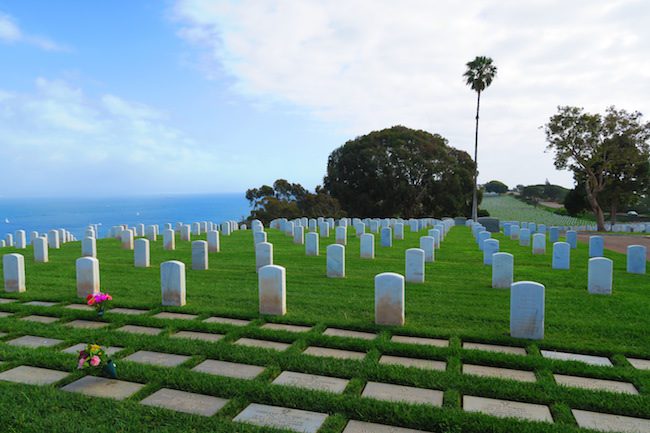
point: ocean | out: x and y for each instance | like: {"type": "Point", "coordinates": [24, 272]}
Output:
{"type": "Point", "coordinates": [75, 214]}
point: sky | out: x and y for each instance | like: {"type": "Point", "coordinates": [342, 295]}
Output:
{"type": "Point", "coordinates": [134, 97]}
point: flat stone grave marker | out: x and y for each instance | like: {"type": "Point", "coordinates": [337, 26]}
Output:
{"type": "Point", "coordinates": [102, 387]}
{"type": "Point", "coordinates": [281, 417]}
{"type": "Point", "coordinates": [86, 324]}
{"type": "Point", "coordinates": [175, 316]}
{"type": "Point", "coordinates": [5, 314]}
{"type": "Point", "coordinates": [187, 402]}
{"type": "Point", "coordinates": [34, 341]}
{"type": "Point", "coordinates": [335, 332]}
{"type": "Point", "coordinates": [595, 384]}
{"type": "Point", "coordinates": [437, 342]}
{"type": "Point", "coordinates": [425, 364]}
{"type": "Point", "coordinates": [157, 358]}
{"type": "Point", "coordinates": [40, 319]}
{"type": "Point", "coordinates": [311, 381]}
{"type": "Point", "coordinates": [229, 369]}
{"type": "Point", "coordinates": [368, 427]}
{"type": "Point", "coordinates": [510, 350]}
{"type": "Point", "coordinates": [284, 327]}
{"type": "Point", "coordinates": [334, 353]}
{"type": "Point", "coordinates": [587, 359]}
{"type": "Point", "coordinates": [41, 303]}
{"type": "Point", "coordinates": [401, 393]}
{"type": "Point", "coordinates": [500, 373]}
{"type": "Point", "coordinates": [507, 408]}
{"type": "Point", "coordinates": [81, 307]}
{"type": "Point", "coordinates": [109, 350]}
{"type": "Point", "coordinates": [194, 335]}
{"type": "Point", "coordinates": [610, 423]}
{"type": "Point", "coordinates": [262, 344]}
{"type": "Point", "coordinates": [227, 321]}
{"type": "Point", "coordinates": [32, 375]}
{"type": "Point", "coordinates": [136, 329]}
{"type": "Point", "coordinates": [641, 364]}
{"type": "Point", "coordinates": [7, 300]}
{"type": "Point", "coordinates": [127, 311]}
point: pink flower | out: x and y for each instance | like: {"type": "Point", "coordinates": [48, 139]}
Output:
{"type": "Point", "coordinates": [81, 363]}
{"type": "Point", "coordinates": [94, 361]}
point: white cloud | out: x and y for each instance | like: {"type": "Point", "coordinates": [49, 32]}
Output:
{"type": "Point", "coordinates": [10, 32]}
{"type": "Point", "coordinates": [368, 64]}
{"type": "Point", "coordinates": [57, 140]}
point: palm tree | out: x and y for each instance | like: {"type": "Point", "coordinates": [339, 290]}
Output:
{"type": "Point", "coordinates": [479, 75]}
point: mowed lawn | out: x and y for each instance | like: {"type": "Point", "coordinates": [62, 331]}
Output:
{"type": "Point", "coordinates": [456, 303]}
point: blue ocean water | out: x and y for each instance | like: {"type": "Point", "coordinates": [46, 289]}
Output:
{"type": "Point", "coordinates": [75, 214]}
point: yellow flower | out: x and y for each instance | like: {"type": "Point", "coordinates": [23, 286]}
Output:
{"type": "Point", "coordinates": [94, 347]}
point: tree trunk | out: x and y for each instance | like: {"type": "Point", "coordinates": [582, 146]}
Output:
{"type": "Point", "coordinates": [475, 193]}
{"type": "Point", "coordinates": [595, 207]}
{"type": "Point", "coordinates": [612, 212]}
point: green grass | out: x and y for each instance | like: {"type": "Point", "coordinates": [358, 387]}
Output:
{"type": "Point", "coordinates": [508, 208]}
{"type": "Point", "coordinates": [456, 302]}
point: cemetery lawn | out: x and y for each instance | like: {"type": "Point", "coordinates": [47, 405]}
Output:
{"type": "Point", "coordinates": [456, 303]}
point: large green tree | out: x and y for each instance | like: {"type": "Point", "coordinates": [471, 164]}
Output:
{"type": "Point", "coordinates": [479, 75]}
{"type": "Point", "coordinates": [603, 151]}
{"type": "Point", "coordinates": [290, 200]}
{"type": "Point", "coordinates": [400, 172]}
{"type": "Point", "coordinates": [496, 186]}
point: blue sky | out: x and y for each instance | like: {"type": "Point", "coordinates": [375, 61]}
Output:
{"type": "Point", "coordinates": [139, 97]}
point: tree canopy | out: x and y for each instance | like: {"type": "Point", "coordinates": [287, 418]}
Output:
{"type": "Point", "coordinates": [400, 172]}
{"type": "Point", "coordinates": [290, 200]}
{"type": "Point", "coordinates": [496, 186]}
{"type": "Point", "coordinates": [605, 152]}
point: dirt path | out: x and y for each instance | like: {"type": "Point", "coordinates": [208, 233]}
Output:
{"type": "Point", "coordinates": [619, 243]}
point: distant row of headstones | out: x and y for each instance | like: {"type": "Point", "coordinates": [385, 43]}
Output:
{"type": "Point", "coordinates": [527, 297]}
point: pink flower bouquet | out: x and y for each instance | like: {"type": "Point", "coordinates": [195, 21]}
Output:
{"type": "Point", "coordinates": [99, 301]}
{"type": "Point", "coordinates": [93, 356]}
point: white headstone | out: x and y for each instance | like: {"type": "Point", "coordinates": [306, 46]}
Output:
{"type": "Point", "coordinates": [88, 247]}
{"type": "Point", "coordinates": [399, 231]}
{"type": "Point", "coordinates": [524, 237]}
{"type": "Point", "coordinates": [636, 259]}
{"type": "Point", "coordinates": [428, 245]}
{"type": "Point", "coordinates": [599, 276]}
{"type": "Point", "coordinates": [141, 253]}
{"type": "Point", "coordinates": [561, 255]}
{"type": "Point", "coordinates": [87, 276]}
{"type": "Point", "coordinates": [21, 240]}
{"type": "Point", "coordinates": [572, 238]}
{"type": "Point", "coordinates": [196, 229]}
{"type": "Point", "coordinates": [299, 235]}
{"type": "Point", "coordinates": [311, 244]}
{"type": "Point", "coordinates": [415, 265]}
{"type": "Point", "coordinates": [272, 290]}
{"type": "Point", "coordinates": [53, 239]}
{"type": "Point", "coordinates": [199, 255]}
{"type": "Point", "coordinates": [502, 270]}
{"type": "Point", "coordinates": [172, 283]}
{"type": "Point", "coordinates": [127, 239]}
{"type": "Point", "coordinates": [359, 228]}
{"type": "Point", "coordinates": [214, 242]}
{"type": "Point", "coordinates": [169, 240]}
{"type": "Point", "coordinates": [389, 299]}
{"type": "Point", "coordinates": [259, 236]}
{"type": "Point", "coordinates": [490, 247]}
{"type": "Point", "coordinates": [263, 255]}
{"type": "Point", "coordinates": [482, 237]}
{"type": "Point", "coordinates": [539, 243]}
{"type": "Point", "coordinates": [151, 232]}
{"type": "Point", "coordinates": [367, 246]}
{"type": "Point", "coordinates": [13, 267]}
{"type": "Point", "coordinates": [342, 235]}
{"type": "Point", "coordinates": [335, 261]}
{"type": "Point", "coordinates": [324, 229]}
{"type": "Point", "coordinates": [596, 246]}
{"type": "Point", "coordinates": [40, 250]}
{"type": "Point", "coordinates": [186, 234]}
{"type": "Point", "coordinates": [527, 310]}
{"type": "Point", "coordinates": [386, 237]}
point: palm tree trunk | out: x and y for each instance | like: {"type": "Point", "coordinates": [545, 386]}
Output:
{"type": "Point", "coordinates": [475, 195]}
